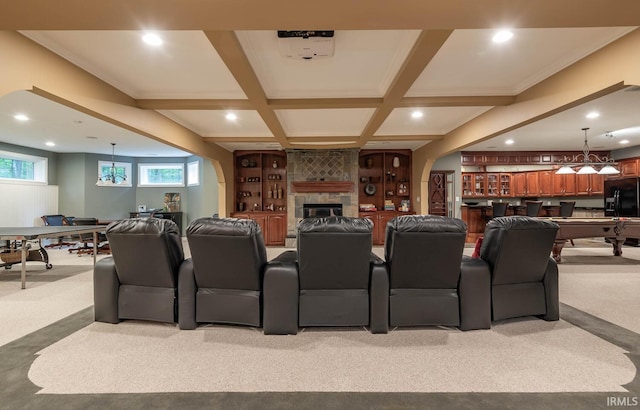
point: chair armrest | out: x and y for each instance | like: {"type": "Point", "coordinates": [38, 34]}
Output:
{"type": "Point", "coordinates": [187, 289]}
{"type": "Point", "coordinates": [379, 296]}
{"type": "Point", "coordinates": [474, 291]}
{"type": "Point", "coordinates": [105, 291]}
{"type": "Point", "coordinates": [281, 293]}
{"type": "Point", "coordinates": [551, 294]}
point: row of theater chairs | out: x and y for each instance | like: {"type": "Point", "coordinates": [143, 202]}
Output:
{"type": "Point", "coordinates": [332, 278]}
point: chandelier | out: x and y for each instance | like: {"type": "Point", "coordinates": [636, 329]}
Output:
{"type": "Point", "coordinates": [112, 178]}
{"type": "Point", "coordinates": [588, 162]}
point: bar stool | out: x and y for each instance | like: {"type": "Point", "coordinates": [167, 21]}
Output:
{"type": "Point", "coordinates": [499, 208]}
{"type": "Point", "coordinates": [566, 211]}
{"type": "Point", "coordinates": [533, 208]}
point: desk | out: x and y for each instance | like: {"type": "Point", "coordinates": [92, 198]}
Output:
{"type": "Point", "coordinates": [615, 230]}
{"type": "Point", "coordinates": [174, 216]}
{"type": "Point", "coordinates": [39, 232]}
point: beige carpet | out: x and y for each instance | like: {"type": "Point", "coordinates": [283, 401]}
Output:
{"type": "Point", "coordinates": [515, 356]}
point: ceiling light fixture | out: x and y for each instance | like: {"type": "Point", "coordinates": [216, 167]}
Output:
{"type": "Point", "coordinates": [417, 114]}
{"type": "Point", "coordinates": [502, 36]}
{"type": "Point", "coordinates": [592, 115]}
{"type": "Point", "coordinates": [509, 142]}
{"type": "Point", "coordinates": [21, 117]}
{"type": "Point", "coordinates": [50, 144]}
{"type": "Point", "coordinates": [231, 116]}
{"type": "Point", "coordinates": [152, 39]}
{"type": "Point", "coordinates": [623, 142]}
{"type": "Point", "coordinates": [588, 162]}
{"type": "Point", "coordinates": [113, 177]}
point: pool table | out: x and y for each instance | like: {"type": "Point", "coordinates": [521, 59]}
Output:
{"type": "Point", "coordinates": [615, 230]}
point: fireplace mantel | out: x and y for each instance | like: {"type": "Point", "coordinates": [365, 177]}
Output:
{"type": "Point", "coordinates": [321, 186]}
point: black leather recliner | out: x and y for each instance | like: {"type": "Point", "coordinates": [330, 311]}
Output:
{"type": "Point", "coordinates": [140, 279]}
{"type": "Point", "coordinates": [430, 282]}
{"type": "Point", "coordinates": [524, 278]}
{"type": "Point", "coordinates": [222, 281]}
{"type": "Point", "coordinates": [333, 279]}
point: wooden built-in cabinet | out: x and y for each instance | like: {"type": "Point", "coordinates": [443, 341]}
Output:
{"type": "Point", "coordinates": [474, 184]}
{"type": "Point", "coordinates": [384, 178]}
{"type": "Point", "coordinates": [589, 184]}
{"type": "Point", "coordinates": [629, 167]}
{"type": "Point", "coordinates": [380, 220]}
{"type": "Point", "coordinates": [380, 181]}
{"type": "Point", "coordinates": [530, 184]}
{"type": "Point", "coordinates": [545, 183]}
{"type": "Point", "coordinates": [261, 191]}
{"type": "Point", "coordinates": [564, 185]}
{"type": "Point", "coordinates": [273, 225]}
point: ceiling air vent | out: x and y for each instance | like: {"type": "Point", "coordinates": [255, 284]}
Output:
{"type": "Point", "coordinates": [306, 44]}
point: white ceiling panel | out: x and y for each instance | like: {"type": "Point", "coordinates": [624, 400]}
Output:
{"type": "Point", "coordinates": [470, 63]}
{"type": "Point", "coordinates": [212, 123]}
{"type": "Point", "coordinates": [364, 64]}
{"type": "Point", "coordinates": [70, 130]}
{"type": "Point", "coordinates": [185, 66]}
{"type": "Point", "coordinates": [618, 116]}
{"type": "Point", "coordinates": [435, 120]}
{"type": "Point", "coordinates": [328, 122]}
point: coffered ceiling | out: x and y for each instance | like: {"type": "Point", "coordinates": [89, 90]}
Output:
{"type": "Point", "coordinates": [388, 63]}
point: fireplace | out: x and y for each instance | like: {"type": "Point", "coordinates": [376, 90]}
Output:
{"type": "Point", "coordinates": [311, 210]}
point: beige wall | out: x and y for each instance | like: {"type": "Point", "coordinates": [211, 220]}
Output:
{"type": "Point", "coordinates": [28, 66]}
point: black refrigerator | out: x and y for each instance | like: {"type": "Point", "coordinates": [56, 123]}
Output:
{"type": "Point", "coordinates": [621, 198]}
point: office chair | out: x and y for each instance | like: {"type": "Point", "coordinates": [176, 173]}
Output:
{"type": "Point", "coordinates": [57, 220]}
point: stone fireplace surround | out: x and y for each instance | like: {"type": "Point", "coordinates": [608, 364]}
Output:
{"type": "Point", "coordinates": [331, 165]}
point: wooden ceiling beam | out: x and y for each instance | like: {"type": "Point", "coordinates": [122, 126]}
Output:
{"type": "Point", "coordinates": [230, 51]}
{"type": "Point", "coordinates": [194, 104]}
{"type": "Point", "coordinates": [423, 51]}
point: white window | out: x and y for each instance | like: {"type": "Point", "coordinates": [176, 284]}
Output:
{"type": "Point", "coordinates": [161, 175]}
{"type": "Point", "coordinates": [193, 173]}
{"type": "Point", "coordinates": [22, 167]}
{"type": "Point", "coordinates": [114, 173]}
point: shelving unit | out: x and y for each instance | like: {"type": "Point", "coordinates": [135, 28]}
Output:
{"type": "Point", "coordinates": [380, 182]}
{"type": "Point", "coordinates": [261, 192]}
{"type": "Point", "coordinates": [384, 181]}
{"type": "Point", "coordinates": [261, 181]}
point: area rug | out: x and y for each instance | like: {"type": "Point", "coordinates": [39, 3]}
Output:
{"type": "Point", "coordinates": [528, 355]}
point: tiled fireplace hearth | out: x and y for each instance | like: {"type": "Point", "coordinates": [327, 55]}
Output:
{"type": "Point", "coordinates": [320, 177]}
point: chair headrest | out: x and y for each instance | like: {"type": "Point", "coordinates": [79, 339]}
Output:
{"type": "Point", "coordinates": [143, 226]}
{"type": "Point", "coordinates": [223, 226]}
{"type": "Point", "coordinates": [520, 222]}
{"type": "Point", "coordinates": [335, 224]}
{"type": "Point", "coordinates": [427, 223]}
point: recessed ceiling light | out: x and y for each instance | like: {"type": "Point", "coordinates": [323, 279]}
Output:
{"type": "Point", "coordinates": [417, 114]}
{"type": "Point", "coordinates": [502, 36]}
{"type": "Point", "coordinates": [592, 115]}
{"type": "Point", "coordinates": [50, 144]}
{"type": "Point", "coordinates": [231, 116]}
{"type": "Point", "coordinates": [624, 142]}
{"type": "Point", "coordinates": [509, 142]}
{"type": "Point", "coordinates": [21, 117]}
{"type": "Point", "coordinates": [152, 39]}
